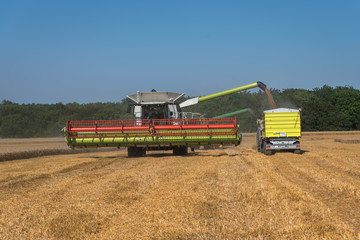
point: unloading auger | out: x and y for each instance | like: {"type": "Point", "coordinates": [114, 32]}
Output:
{"type": "Point", "coordinates": [159, 124]}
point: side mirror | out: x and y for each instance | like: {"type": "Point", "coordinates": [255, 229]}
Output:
{"type": "Point", "coordinates": [128, 109]}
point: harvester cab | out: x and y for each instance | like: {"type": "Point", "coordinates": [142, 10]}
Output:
{"type": "Point", "coordinates": [155, 105]}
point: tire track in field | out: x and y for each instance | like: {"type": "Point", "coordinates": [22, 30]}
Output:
{"type": "Point", "coordinates": [72, 193]}
{"type": "Point", "coordinates": [24, 184]}
{"type": "Point", "coordinates": [102, 172]}
{"type": "Point", "coordinates": [342, 166]}
{"type": "Point", "coordinates": [345, 208]}
{"type": "Point", "coordinates": [276, 199]}
{"type": "Point", "coordinates": [87, 166]}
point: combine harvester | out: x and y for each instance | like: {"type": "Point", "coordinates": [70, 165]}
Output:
{"type": "Point", "coordinates": [158, 124]}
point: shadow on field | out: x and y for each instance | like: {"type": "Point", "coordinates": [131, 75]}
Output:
{"type": "Point", "coordinates": [44, 152]}
{"type": "Point", "coordinates": [207, 154]}
{"type": "Point", "coordinates": [100, 157]}
{"type": "Point", "coordinates": [159, 155]}
{"type": "Point", "coordinates": [289, 151]}
{"type": "Point", "coordinates": [303, 151]}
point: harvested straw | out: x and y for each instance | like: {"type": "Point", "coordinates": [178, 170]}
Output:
{"type": "Point", "coordinates": [347, 140]}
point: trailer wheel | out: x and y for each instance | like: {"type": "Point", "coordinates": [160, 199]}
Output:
{"type": "Point", "coordinates": [262, 146]}
{"type": "Point", "coordinates": [268, 152]}
{"type": "Point", "coordinates": [265, 150]}
{"type": "Point", "coordinates": [136, 151]}
{"type": "Point", "coordinates": [180, 151]}
{"type": "Point", "coordinates": [258, 140]}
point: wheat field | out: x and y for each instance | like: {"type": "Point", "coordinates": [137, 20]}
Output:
{"type": "Point", "coordinates": [231, 193]}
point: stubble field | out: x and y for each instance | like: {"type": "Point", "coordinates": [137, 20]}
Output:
{"type": "Point", "coordinates": [226, 193]}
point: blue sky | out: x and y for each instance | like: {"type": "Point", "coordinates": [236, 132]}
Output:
{"type": "Point", "coordinates": [91, 51]}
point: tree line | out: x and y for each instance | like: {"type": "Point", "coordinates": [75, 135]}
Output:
{"type": "Point", "coordinates": [323, 109]}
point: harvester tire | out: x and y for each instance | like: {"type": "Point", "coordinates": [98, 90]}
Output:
{"type": "Point", "coordinates": [207, 147]}
{"type": "Point", "coordinates": [136, 151]}
{"type": "Point", "coordinates": [180, 151]}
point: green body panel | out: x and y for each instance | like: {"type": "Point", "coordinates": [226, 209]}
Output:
{"type": "Point", "coordinates": [226, 92]}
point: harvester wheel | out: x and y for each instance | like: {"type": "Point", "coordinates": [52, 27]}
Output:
{"type": "Point", "coordinates": [182, 150]}
{"type": "Point", "coordinates": [136, 151]}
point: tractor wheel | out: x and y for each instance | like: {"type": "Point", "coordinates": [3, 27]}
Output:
{"type": "Point", "coordinates": [180, 151]}
{"type": "Point", "coordinates": [136, 151]}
